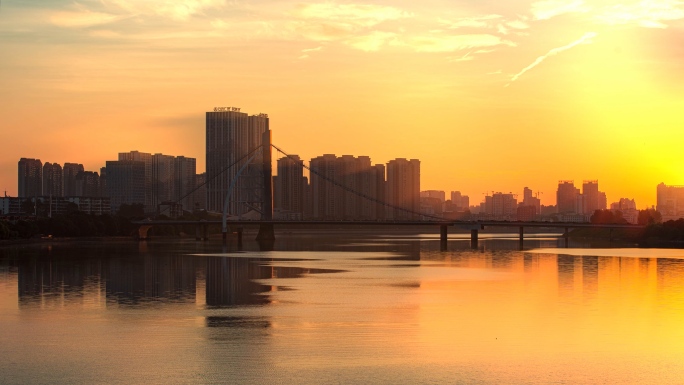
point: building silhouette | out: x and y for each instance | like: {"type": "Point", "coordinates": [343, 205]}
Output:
{"type": "Point", "coordinates": [358, 199]}
{"type": "Point", "coordinates": [184, 180]}
{"type": "Point", "coordinates": [403, 189]}
{"type": "Point", "coordinates": [670, 201]}
{"type": "Point", "coordinates": [146, 158]}
{"type": "Point", "coordinates": [230, 136]}
{"type": "Point", "coordinates": [167, 179]}
{"type": "Point", "coordinates": [69, 173]}
{"type": "Point", "coordinates": [566, 197]}
{"type": "Point", "coordinates": [30, 178]}
{"type": "Point", "coordinates": [125, 183]}
{"type": "Point", "coordinates": [52, 180]}
{"type": "Point", "coordinates": [290, 188]}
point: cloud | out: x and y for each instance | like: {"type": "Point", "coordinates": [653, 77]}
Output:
{"type": "Point", "coordinates": [82, 19]}
{"type": "Point", "coordinates": [305, 52]}
{"type": "Point", "coordinates": [364, 15]}
{"type": "Point", "coordinates": [174, 9]}
{"type": "Point", "coordinates": [371, 42]}
{"type": "Point", "coordinates": [485, 21]}
{"type": "Point", "coordinates": [451, 43]}
{"type": "Point", "coordinates": [546, 9]}
{"type": "Point", "coordinates": [648, 14]}
{"type": "Point", "coordinates": [584, 39]}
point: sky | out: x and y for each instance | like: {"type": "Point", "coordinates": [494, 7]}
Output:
{"type": "Point", "coordinates": [489, 95]}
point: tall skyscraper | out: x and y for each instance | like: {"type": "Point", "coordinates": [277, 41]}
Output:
{"type": "Point", "coordinates": [441, 195]}
{"type": "Point", "coordinates": [162, 179]}
{"type": "Point", "coordinates": [87, 184]}
{"type": "Point", "coordinates": [358, 199]}
{"type": "Point", "coordinates": [403, 188]}
{"type": "Point", "coordinates": [326, 197]}
{"type": "Point", "coordinates": [184, 181]}
{"type": "Point", "coordinates": [146, 158]}
{"type": "Point", "coordinates": [230, 136]}
{"type": "Point", "coordinates": [69, 173]}
{"type": "Point", "coordinates": [590, 197]}
{"type": "Point", "coordinates": [290, 186]}
{"type": "Point", "coordinates": [52, 180]}
{"type": "Point", "coordinates": [199, 197]}
{"type": "Point", "coordinates": [530, 200]}
{"type": "Point", "coordinates": [30, 178]}
{"type": "Point", "coordinates": [670, 201]}
{"type": "Point", "coordinates": [125, 183]}
{"type": "Point", "coordinates": [566, 197]}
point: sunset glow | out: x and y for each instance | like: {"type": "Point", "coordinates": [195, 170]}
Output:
{"type": "Point", "coordinates": [490, 96]}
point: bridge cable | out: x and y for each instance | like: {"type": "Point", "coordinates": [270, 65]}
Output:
{"type": "Point", "coordinates": [246, 156]}
{"type": "Point", "coordinates": [348, 189]}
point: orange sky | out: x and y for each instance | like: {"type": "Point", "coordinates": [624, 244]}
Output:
{"type": "Point", "coordinates": [490, 96]}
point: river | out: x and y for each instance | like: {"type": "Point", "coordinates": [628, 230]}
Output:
{"type": "Point", "coordinates": [345, 308]}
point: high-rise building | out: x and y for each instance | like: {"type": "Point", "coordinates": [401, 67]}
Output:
{"type": "Point", "coordinates": [381, 191]}
{"type": "Point", "coordinates": [670, 201]}
{"type": "Point", "coordinates": [125, 183]}
{"type": "Point", "coordinates": [326, 197]}
{"type": "Point", "coordinates": [52, 180]}
{"type": "Point", "coordinates": [566, 197]}
{"type": "Point", "coordinates": [530, 200]}
{"type": "Point", "coordinates": [590, 197]}
{"type": "Point", "coordinates": [87, 184]}
{"type": "Point", "coordinates": [103, 181]}
{"type": "Point", "coordinates": [403, 189]}
{"type": "Point", "coordinates": [199, 197]}
{"type": "Point", "coordinates": [441, 195]}
{"type": "Point", "coordinates": [184, 181]}
{"type": "Point", "coordinates": [290, 187]}
{"type": "Point", "coordinates": [69, 173]}
{"type": "Point", "coordinates": [346, 188]}
{"type": "Point", "coordinates": [461, 202]}
{"type": "Point", "coordinates": [162, 180]}
{"type": "Point", "coordinates": [231, 136]}
{"type": "Point", "coordinates": [30, 178]}
{"type": "Point", "coordinates": [146, 158]}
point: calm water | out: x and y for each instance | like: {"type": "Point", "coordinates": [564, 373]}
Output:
{"type": "Point", "coordinates": [352, 309]}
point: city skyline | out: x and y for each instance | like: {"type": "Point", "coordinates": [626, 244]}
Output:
{"type": "Point", "coordinates": [489, 97]}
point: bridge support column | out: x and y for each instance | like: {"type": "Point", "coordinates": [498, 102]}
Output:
{"type": "Point", "coordinates": [521, 237]}
{"type": "Point", "coordinates": [198, 233]}
{"type": "Point", "coordinates": [610, 235]}
{"type": "Point", "coordinates": [567, 237]}
{"type": "Point", "coordinates": [239, 237]}
{"type": "Point", "coordinates": [443, 237]}
{"type": "Point", "coordinates": [473, 239]}
{"type": "Point", "coordinates": [266, 232]}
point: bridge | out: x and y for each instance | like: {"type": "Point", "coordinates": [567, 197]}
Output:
{"type": "Point", "coordinates": [266, 223]}
{"type": "Point", "coordinates": [473, 226]}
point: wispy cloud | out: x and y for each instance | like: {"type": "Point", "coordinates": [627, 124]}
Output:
{"type": "Point", "coordinates": [649, 14]}
{"type": "Point", "coordinates": [546, 9]}
{"type": "Point", "coordinates": [451, 43]}
{"type": "Point", "coordinates": [306, 51]}
{"type": "Point", "coordinates": [584, 39]}
{"type": "Point", "coordinates": [365, 15]}
{"type": "Point", "coordinates": [82, 18]}
{"type": "Point", "coordinates": [174, 9]}
{"type": "Point", "coordinates": [371, 42]}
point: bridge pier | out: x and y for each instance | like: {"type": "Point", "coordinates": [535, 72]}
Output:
{"type": "Point", "coordinates": [521, 237]}
{"type": "Point", "coordinates": [443, 237]}
{"type": "Point", "coordinates": [473, 238]}
{"type": "Point", "coordinates": [567, 237]}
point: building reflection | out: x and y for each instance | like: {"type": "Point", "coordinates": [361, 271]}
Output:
{"type": "Point", "coordinates": [230, 281]}
{"type": "Point", "coordinates": [151, 278]}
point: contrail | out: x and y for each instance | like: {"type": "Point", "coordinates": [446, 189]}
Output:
{"type": "Point", "coordinates": [587, 36]}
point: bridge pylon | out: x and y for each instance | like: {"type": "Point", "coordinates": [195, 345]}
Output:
{"type": "Point", "coordinates": [266, 232]}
